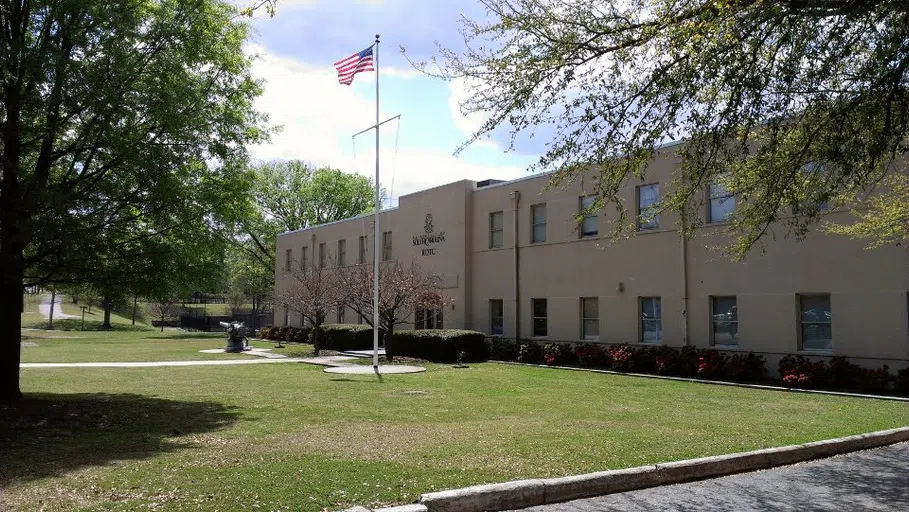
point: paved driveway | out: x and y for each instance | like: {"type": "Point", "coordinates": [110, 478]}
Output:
{"type": "Point", "coordinates": [870, 480]}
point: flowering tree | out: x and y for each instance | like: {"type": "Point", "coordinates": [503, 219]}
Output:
{"type": "Point", "coordinates": [313, 293]}
{"type": "Point", "coordinates": [402, 290]}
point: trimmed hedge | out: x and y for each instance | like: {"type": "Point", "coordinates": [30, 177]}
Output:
{"type": "Point", "coordinates": [291, 334]}
{"type": "Point", "coordinates": [439, 345]}
{"type": "Point", "coordinates": [342, 337]}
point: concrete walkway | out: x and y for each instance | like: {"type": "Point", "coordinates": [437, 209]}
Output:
{"type": "Point", "coordinates": [867, 480]}
{"type": "Point", "coordinates": [45, 308]}
{"type": "Point", "coordinates": [322, 361]}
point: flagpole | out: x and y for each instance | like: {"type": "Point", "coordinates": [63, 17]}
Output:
{"type": "Point", "coordinates": [375, 283]}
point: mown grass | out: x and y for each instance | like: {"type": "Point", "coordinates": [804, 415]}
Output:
{"type": "Point", "coordinates": [73, 347]}
{"type": "Point", "coordinates": [290, 437]}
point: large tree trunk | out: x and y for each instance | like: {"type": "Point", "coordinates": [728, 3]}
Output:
{"type": "Point", "coordinates": [108, 304]}
{"type": "Point", "coordinates": [135, 303]}
{"type": "Point", "coordinates": [50, 315]}
{"type": "Point", "coordinates": [10, 334]}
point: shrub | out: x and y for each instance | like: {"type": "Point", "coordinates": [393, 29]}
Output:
{"type": "Point", "coordinates": [439, 345]}
{"type": "Point", "coordinates": [901, 382]}
{"type": "Point", "coordinates": [874, 380]}
{"type": "Point", "coordinates": [661, 360]}
{"type": "Point", "coordinates": [711, 364]}
{"type": "Point", "coordinates": [747, 367]}
{"type": "Point", "coordinates": [799, 372]}
{"type": "Point", "coordinates": [688, 361]}
{"type": "Point", "coordinates": [590, 355]}
{"type": "Point", "coordinates": [530, 352]}
{"type": "Point", "coordinates": [558, 354]}
{"type": "Point", "coordinates": [503, 349]}
{"type": "Point", "coordinates": [283, 333]}
{"type": "Point", "coordinates": [342, 337]}
{"type": "Point", "coordinates": [621, 357]}
{"type": "Point", "coordinates": [299, 335]}
{"type": "Point", "coordinates": [843, 374]}
{"type": "Point", "coordinates": [266, 333]}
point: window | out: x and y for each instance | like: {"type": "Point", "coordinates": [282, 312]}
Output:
{"type": "Point", "coordinates": [496, 317]}
{"type": "Point", "coordinates": [815, 320]}
{"type": "Point", "coordinates": [538, 223]}
{"type": "Point", "coordinates": [648, 207]}
{"type": "Point", "coordinates": [651, 320]}
{"type": "Point", "coordinates": [496, 230]}
{"type": "Point", "coordinates": [304, 257]}
{"type": "Point", "coordinates": [340, 314]}
{"type": "Point", "coordinates": [538, 310]}
{"type": "Point", "coordinates": [427, 319]}
{"type": "Point", "coordinates": [342, 253]}
{"type": "Point", "coordinates": [589, 222]}
{"type": "Point", "coordinates": [288, 256]}
{"type": "Point", "coordinates": [725, 319]}
{"type": "Point", "coordinates": [386, 245]}
{"type": "Point", "coordinates": [322, 255]}
{"type": "Point", "coordinates": [361, 255]}
{"type": "Point", "coordinates": [590, 318]}
{"type": "Point", "coordinates": [722, 203]}
{"type": "Point", "coordinates": [286, 316]}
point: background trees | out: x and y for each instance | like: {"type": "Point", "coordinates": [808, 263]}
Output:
{"type": "Point", "coordinates": [124, 130]}
{"type": "Point", "coordinates": [787, 104]}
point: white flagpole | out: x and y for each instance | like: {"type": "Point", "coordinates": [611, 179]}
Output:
{"type": "Point", "coordinates": [375, 283]}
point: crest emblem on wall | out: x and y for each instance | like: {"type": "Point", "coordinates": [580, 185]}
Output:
{"type": "Point", "coordinates": [428, 227]}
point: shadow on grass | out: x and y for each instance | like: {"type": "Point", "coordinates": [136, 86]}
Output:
{"type": "Point", "coordinates": [50, 434]}
{"type": "Point", "coordinates": [181, 335]}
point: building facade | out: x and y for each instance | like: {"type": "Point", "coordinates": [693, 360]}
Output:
{"type": "Point", "coordinates": [516, 262]}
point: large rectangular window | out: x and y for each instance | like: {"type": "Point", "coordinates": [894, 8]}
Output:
{"type": "Point", "coordinates": [590, 318]}
{"type": "Point", "coordinates": [651, 320]}
{"type": "Point", "coordinates": [722, 203]}
{"type": "Point", "coordinates": [648, 207]}
{"type": "Point", "coordinates": [816, 322]}
{"type": "Point", "coordinates": [496, 230]}
{"type": "Point", "coordinates": [589, 221]}
{"type": "Point", "coordinates": [427, 319]}
{"type": "Point", "coordinates": [538, 223]}
{"type": "Point", "coordinates": [342, 253]}
{"type": "Point", "coordinates": [322, 257]}
{"type": "Point", "coordinates": [304, 258]}
{"type": "Point", "coordinates": [496, 317]}
{"type": "Point", "coordinates": [361, 255]}
{"type": "Point", "coordinates": [340, 314]}
{"type": "Point", "coordinates": [725, 319]}
{"type": "Point", "coordinates": [538, 311]}
{"type": "Point", "coordinates": [288, 257]}
{"type": "Point", "coordinates": [286, 317]}
{"type": "Point", "coordinates": [386, 245]}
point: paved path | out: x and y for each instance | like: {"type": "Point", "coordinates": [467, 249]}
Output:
{"type": "Point", "coordinates": [45, 308]}
{"type": "Point", "coordinates": [324, 361]}
{"type": "Point", "coordinates": [875, 479]}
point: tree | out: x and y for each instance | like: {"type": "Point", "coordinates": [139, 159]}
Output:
{"type": "Point", "coordinates": [290, 195]}
{"type": "Point", "coordinates": [402, 290]}
{"type": "Point", "coordinates": [786, 104]}
{"type": "Point", "coordinates": [313, 293]}
{"type": "Point", "coordinates": [124, 127]}
{"type": "Point", "coordinates": [163, 309]}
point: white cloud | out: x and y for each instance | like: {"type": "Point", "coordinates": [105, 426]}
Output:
{"type": "Point", "coordinates": [319, 116]}
{"type": "Point", "coordinates": [466, 123]}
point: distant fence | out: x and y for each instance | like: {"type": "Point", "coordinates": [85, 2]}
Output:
{"type": "Point", "coordinates": [195, 320]}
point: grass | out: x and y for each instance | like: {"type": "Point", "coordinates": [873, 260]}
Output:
{"type": "Point", "coordinates": [290, 437]}
{"type": "Point", "coordinates": [74, 347]}
{"type": "Point", "coordinates": [33, 319]}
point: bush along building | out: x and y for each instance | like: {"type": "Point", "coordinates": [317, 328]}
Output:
{"type": "Point", "coordinates": [518, 262]}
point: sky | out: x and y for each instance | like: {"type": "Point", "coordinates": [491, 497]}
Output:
{"type": "Point", "coordinates": [295, 52]}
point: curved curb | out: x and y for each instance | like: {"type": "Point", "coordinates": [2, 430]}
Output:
{"type": "Point", "coordinates": [528, 493]}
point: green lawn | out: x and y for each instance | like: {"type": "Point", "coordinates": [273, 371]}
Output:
{"type": "Point", "coordinates": [290, 437]}
{"type": "Point", "coordinates": [77, 346]}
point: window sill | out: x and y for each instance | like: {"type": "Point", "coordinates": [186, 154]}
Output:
{"type": "Point", "coordinates": [815, 352]}
{"type": "Point", "coordinates": [648, 231]}
{"type": "Point", "coordinates": [726, 347]}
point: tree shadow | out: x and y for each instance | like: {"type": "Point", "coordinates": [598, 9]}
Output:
{"type": "Point", "coordinates": [51, 434]}
{"type": "Point", "coordinates": [187, 336]}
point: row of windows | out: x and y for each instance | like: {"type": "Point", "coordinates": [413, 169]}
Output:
{"type": "Point", "coordinates": [341, 254]}
{"type": "Point", "coordinates": [722, 204]}
{"type": "Point", "coordinates": [815, 325]}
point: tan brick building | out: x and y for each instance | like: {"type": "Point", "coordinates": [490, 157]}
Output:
{"type": "Point", "coordinates": [517, 264]}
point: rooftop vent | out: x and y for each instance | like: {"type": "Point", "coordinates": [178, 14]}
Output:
{"type": "Point", "coordinates": [486, 183]}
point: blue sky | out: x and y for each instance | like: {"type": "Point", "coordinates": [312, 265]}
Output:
{"type": "Point", "coordinates": [296, 50]}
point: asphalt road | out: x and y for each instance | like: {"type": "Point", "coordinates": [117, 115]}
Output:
{"type": "Point", "coordinates": [869, 480]}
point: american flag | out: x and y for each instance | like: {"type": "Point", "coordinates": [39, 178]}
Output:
{"type": "Point", "coordinates": [350, 66]}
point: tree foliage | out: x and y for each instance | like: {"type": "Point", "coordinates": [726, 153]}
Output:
{"type": "Point", "coordinates": [124, 127]}
{"type": "Point", "coordinates": [761, 90]}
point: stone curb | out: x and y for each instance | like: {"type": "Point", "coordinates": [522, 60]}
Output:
{"type": "Point", "coordinates": [716, 382]}
{"type": "Point", "coordinates": [527, 493]}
